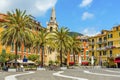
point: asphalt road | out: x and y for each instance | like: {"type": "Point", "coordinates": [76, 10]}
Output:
{"type": "Point", "coordinates": [68, 74]}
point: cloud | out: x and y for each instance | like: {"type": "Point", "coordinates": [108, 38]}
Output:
{"type": "Point", "coordinates": [87, 15]}
{"type": "Point", "coordinates": [33, 7]}
{"type": "Point", "coordinates": [90, 31]}
{"type": "Point", "coordinates": [85, 3]}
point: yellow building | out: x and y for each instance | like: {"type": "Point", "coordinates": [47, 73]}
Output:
{"type": "Point", "coordinates": [105, 45]}
{"type": "Point", "coordinates": [2, 19]}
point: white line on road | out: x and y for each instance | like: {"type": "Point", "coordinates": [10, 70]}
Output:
{"type": "Point", "coordinates": [13, 77]}
{"type": "Point", "coordinates": [60, 75]}
{"type": "Point", "coordinates": [112, 71]}
{"type": "Point", "coordinates": [88, 72]}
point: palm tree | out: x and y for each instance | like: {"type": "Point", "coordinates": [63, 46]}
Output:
{"type": "Point", "coordinates": [40, 41]}
{"type": "Point", "coordinates": [63, 40]}
{"type": "Point", "coordinates": [17, 29]}
{"type": "Point", "coordinates": [75, 48]}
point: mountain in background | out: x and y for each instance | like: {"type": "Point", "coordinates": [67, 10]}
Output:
{"type": "Point", "coordinates": [75, 33]}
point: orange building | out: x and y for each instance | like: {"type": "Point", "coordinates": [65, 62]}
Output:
{"type": "Point", "coordinates": [22, 51]}
{"type": "Point", "coordinates": [83, 56]}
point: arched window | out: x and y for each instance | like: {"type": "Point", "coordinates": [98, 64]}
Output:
{"type": "Point", "coordinates": [51, 28]}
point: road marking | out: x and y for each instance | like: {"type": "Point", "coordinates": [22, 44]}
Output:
{"type": "Point", "coordinates": [65, 76]}
{"type": "Point", "coordinates": [88, 72]}
{"type": "Point", "coordinates": [13, 77]}
{"type": "Point", "coordinates": [112, 71]}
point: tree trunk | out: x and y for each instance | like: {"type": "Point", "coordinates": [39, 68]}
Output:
{"type": "Point", "coordinates": [61, 58]}
{"type": "Point", "coordinates": [22, 51]}
{"type": "Point", "coordinates": [42, 53]}
{"type": "Point", "coordinates": [16, 54]}
{"type": "Point", "coordinates": [74, 57]}
{"type": "Point", "coordinates": [68, 59]}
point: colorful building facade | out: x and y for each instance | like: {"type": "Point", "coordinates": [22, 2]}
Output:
{"type": "Point", "coordinates": [52, 25]}
{"type": "Point", "coordinates": [101, 46]}
{"type": "Point", "coordinates": [105, 45]}
{"type": "Point", "coordinates": [81, 58]}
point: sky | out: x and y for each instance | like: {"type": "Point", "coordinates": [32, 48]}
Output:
{"type": "Point", "coordinates": [88, 17]}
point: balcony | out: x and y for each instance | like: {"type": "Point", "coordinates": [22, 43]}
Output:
{"type": "Point", "coordinates": [91, 43]}
{"type": "Point", "coordinates": [99, 42]}
{"type": "Point", "coordinates": [110, 47]}
{"type": "Point", "coordinates": [103, 48]}
{"type": "Point", "coordinates": [98, 49]}
{"type": "Point", "coordinates": [105, 41]}
{"type": "Point", "coordinates": [91, 49]}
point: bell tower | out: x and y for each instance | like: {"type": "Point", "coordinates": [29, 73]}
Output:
{"type": "Point", "coordinates": [52, 24]}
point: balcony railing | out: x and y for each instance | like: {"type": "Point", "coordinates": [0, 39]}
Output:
{"type": "Point", "coordinates": [91, 49]}
{"type": "Point", "coordinates": [99, 42]}
{"type": "Point", "coordinates": [91, 43]}
{"type": "Point", "coordinates": [110, 47]}
{"type": "Point", "coordinates": [101, 48]}
{"type": "Point", "coordinates": [98, 49]}
{"type": "Point", "coordinates": [105, 41]}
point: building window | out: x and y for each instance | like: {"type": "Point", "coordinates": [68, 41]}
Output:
{"type": "Point", "coordinates": [76, 58]}
{"type": "Point", "coordinates": [87, 52]}
{"type": "Point", "coordinates": [92, 53]}
{"type": "Point", "coordinates": [92, 46]}
{"type": "Point", "coordinates": [110, 53]}
{"type": "Point", "coordinates": [119, 34]}
{"type": "Point", "coordinates": [105, 38]}
{"type": "Point", "coordinates": [116, 28]}
{"type": "Point", "coordinates": [102, 32]}
{"type": "Point", "coordinates": [100, 39]}
{"type": "Point", "coordinates": [104, 53]}
{"type": "Point", "coordinates": [51, 28]}
{"type": "Point", "coordinates": [71, 58]}
{"type": "Point", "coordinates": [110, 43]}
{"type": "Point", "coordinates": [100, 54]}
{"type": "Point", "coordinates": [19, 48]}
{"type": "Point", "coordinates": [100, 46]}
{"type": "Point", "coordinates": [110, 35]}
{"type": "Point", "coordinates": [92, 40]}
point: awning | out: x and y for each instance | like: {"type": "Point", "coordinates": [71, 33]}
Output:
{"type": "Point", "coordinates": [21, 62]}
{"type": "Point", "coordinates": [117, 61]}
{"type": "Point", "coordinates": [85, 63]}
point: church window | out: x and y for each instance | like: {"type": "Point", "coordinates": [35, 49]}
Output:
{"type": "Point", "coordinates": [51, 29]}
